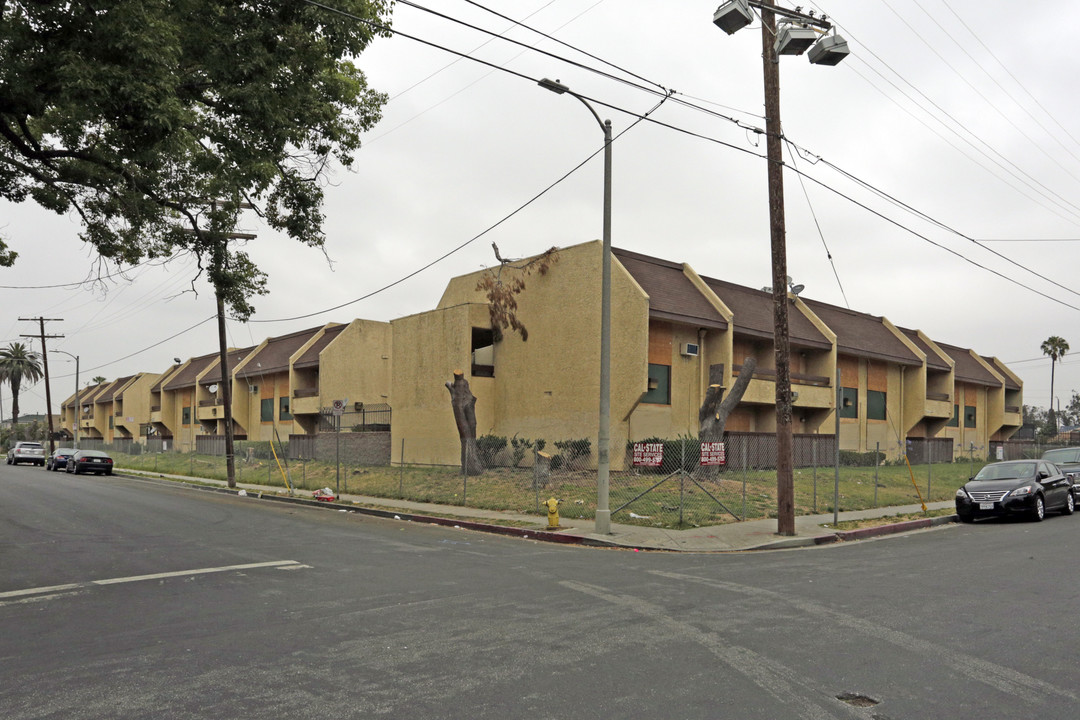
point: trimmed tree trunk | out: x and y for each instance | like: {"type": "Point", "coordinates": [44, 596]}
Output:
{"type": "Point", "coordinates": [463, 403]}
{"type": "Point", "coordinates": [713, 415]}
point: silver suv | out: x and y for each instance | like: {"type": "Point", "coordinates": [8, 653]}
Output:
{"type": "Point", "coordinates": [28, 452]}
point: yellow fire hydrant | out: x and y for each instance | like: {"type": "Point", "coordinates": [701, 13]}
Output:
{"type": "Point", "coordinates": [553, 512]}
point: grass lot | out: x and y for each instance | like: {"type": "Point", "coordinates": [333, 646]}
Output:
{"type": "Point", "coordinates": [676, 502]}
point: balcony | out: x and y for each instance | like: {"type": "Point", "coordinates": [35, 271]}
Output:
{"type": "Point", "coordinates": [307, 392]}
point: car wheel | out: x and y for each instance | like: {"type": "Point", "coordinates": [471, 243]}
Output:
{"type": "Point", "coordinates": [108, 472]}
{"type": "Point", "coordinates": [1070, 504]}
{"type": "Point", "coordinates": [1039, 511]}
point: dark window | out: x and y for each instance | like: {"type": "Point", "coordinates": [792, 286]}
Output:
{"type": "Point", "coordinates": [954, 421]}
{"type": "Point", "coordinates": [875, 405]}
{"type": "Point", "coordinates": [186, 416]}
{"type": "Point", "coordinates": [849, 402]}
{"type": "Point", "coordinates": [969, 416]}
{"type": "Point", "coordinates": [266, 410]}
{"type": "Point", "coordinates": [111, 422]}
{"type": "Point", "coordinates": [659, 385]}
{"type": "Point", "coordinates": [283, 409]}
{"type": "Point", "coordinates": [483, 353]}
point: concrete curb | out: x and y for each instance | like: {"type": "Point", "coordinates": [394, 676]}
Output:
{"type": "Point", "coordinates": [567, 537]}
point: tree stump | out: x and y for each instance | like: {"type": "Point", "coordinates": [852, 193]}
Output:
{"type": "Point", "coordinates": [463, 403]}
{"type": "Point", "coordinates": [713, 415]}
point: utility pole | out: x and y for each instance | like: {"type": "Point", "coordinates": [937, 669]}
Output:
{"type": "Point", "coordinates": [45, 367]}
{"type": "Point", "coordinates": [785, 480]}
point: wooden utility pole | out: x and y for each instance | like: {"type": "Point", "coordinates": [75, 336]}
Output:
{"type": "Point", "coordinates": [785, 480]}
{"type": "Point", "coordinates": [45, 369]}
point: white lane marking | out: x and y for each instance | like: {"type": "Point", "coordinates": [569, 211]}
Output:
{"type": "Point", "coordinates": [284, 564]}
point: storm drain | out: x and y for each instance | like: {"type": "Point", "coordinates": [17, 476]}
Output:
{"type": "Point", "coordinates": [857, 699]}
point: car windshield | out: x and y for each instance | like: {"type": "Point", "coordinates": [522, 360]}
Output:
{"type": "Point", "coordinates": [1065, 455]}
{"type": "Point", "coordinates": [1007, 471]}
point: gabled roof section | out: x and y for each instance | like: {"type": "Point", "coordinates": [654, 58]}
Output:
{"type": "Point", "coordinates": [233, 357]}
{"type": "Point", "coordinates": [863, 335]}
{"type": "Point", "coordinates": [752, 314]}
{"type": "Point", "coordinates": [1010, 384]}
{"type": "Point", "coordinates": [933, 360]}
{"type": "Point", "coordinates": [310, 358]}
{"type": "Point", "coordinates": [115, 389]}
{"type": "Point", "coordinates": [968, 369]}
{"type": "Point", "coordinates": [672, 296]}
{"type": "Point", "coordinates": [188, 374]}
{"type": "Point", "coordinates": [274, 354]}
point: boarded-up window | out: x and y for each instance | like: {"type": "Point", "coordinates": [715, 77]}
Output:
{"type": "Point", "coordinates": [659, 385]}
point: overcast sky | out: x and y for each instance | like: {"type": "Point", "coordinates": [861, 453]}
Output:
{"type": "Point", "coordinates": [942, 165]}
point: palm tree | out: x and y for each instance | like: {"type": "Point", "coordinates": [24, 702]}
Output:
{"type": "Point", "coordinates": [18, 362]}
{"type": "Point", "coordinates": [1056, 348]}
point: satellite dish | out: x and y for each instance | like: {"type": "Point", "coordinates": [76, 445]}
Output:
{"type": "Point", "coordinates": [213, 388]}
{"type": "Point", "coordinates": [796, 289]}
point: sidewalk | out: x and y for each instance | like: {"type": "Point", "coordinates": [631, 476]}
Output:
{"type": "Point", "coordinates": [730, 537]}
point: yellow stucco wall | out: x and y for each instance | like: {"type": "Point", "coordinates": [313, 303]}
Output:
{"type": "Point", "coordinates": [357, 365]}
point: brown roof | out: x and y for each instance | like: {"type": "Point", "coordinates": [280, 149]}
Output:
{"type": "Point", "coordinates": [310, 358]}
{"type": "Point", "coordinates": [1009, 382]}
{"type": "Point", "coordinates": [863, 335]}
{"type": "Point", "coordinates": [186, 377]}
{"type": "Point", "coordinates": [234, 356]}
{"type": "Point", "coordinates": [671, 294]}
{"type": "Point", "coordinates": [968, 368]}
{"type": "Point", "coordinates": [933, 360]}
{"type": "Point", "coordinates": [274, 355]}
{"type": "Point", "coordinates": [752, 312]}
{"type": "Point", "coordinates": [116, 387]}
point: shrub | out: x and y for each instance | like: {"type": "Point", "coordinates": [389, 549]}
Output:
{"type": "Point", "coordinates": [489, 446]}
{"type": "Point", "coordinates": [519, 446]}
{"type": "Point", "coordinates": [570, 451]}
{"type": "Point", "coordinates": [850, 458]}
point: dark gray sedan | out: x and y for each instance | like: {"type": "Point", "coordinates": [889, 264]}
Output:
{"type": "Point", "coordinates": [1017, 487]}
{"type": "Point", "coordinates": [94, 461]}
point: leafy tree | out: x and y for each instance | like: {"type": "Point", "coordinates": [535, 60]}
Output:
{"type": "Point", "coordinates": [18, 363]}
{"type": "Point", "coordinates": [158, 121]}
{"type": "Point", "coordinates": [1055, 347]}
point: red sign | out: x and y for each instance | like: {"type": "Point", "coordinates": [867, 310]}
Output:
{"type": "Point", "coordinates": [712, 453]}
{"type": "Point", "coordinates": [648, 454]}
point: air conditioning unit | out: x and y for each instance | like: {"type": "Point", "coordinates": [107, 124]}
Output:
{"type": "Point", "coordinates": [358, 406]}
{"type": "Point", "coordinates": [253, 389]}
{"type": "Point", "coordinates": [689, 350]}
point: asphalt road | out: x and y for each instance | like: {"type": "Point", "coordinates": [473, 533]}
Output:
{"type": "Point", "coordinates": [121, 598]}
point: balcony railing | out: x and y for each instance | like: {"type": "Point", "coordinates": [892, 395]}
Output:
{"type": "Point", "coordinates": [305, 392]}
{"type": "Point", "coordinates": [799, 378]}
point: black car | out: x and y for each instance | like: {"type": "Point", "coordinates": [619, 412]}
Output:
{"type": "Point", "coordinates": [59, 459]}
{"type": "Point", "coordinates": [1017, 487]}
{"type": "Point", "coordinates": [1067, 461]}
{"type": "Point", "coordinates": [93, 461]}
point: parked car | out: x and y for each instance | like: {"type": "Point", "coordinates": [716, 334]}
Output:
{"type": "Point", "coordinates": [28, 452]}
{"type": "Point", "coordinates": [59, 459]}
{"type": "Point", "coordinates": [1017, 487]}
{"type": "Point", "coordinates": [93, 461]}
{"type": "Point", "coordinates": [1067, 461]}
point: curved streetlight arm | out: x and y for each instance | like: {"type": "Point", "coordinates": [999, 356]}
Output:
{"type": "Point", "coordinates": [559, 89]}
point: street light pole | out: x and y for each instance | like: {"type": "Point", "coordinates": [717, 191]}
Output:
{"type": "Point", "coordinates": [78, 408]}
{"type": "Point", "coordinates": [603, 439]}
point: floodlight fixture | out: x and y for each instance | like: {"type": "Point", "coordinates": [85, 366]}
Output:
{"type": "Point", "coordinates": [733, 16]}
{"type": "Point", "coordinates": [830, 50]}
{"type": "Point", "coordinates": [794, 39]}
